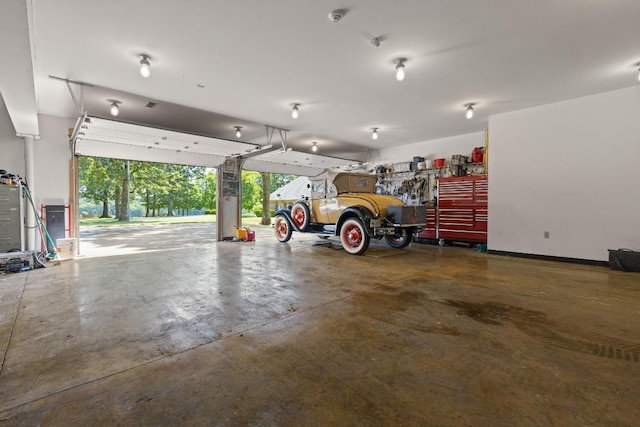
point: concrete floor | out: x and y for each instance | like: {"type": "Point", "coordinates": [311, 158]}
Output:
{"type": "Point", "coordinates": [267, 333]}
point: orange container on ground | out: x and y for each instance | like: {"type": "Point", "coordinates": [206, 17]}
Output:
{"type": "Point", "coordinates": [246, 234]}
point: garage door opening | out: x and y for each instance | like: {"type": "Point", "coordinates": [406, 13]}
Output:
{"type": "Point", "coordinates": [128, 206]}
{"type": "Point", "coordinates": [116, 142]}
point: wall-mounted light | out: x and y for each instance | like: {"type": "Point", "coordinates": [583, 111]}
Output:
{"type": "Point", "coordinates": [374, 133]}
{"type": "Point", "coordinates": [314, 146]}
{"type": "Point", "coordinates": [238, 131]}
{"type": "Point", "coordinates": [400, 69]}
{"type": "Point", "coordinates": [145, 65]}
{"type": "Point", "coordinates": [115, 109]}
{"type": "Point", "coordinates": [469, 110]}
{"type": "Point", "coordinates": [294, 111]}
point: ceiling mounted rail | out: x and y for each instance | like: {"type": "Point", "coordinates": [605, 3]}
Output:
{"type": "Point", "coordinates": [78, 103]}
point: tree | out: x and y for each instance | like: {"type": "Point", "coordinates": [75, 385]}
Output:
{"type": "Point", "coordinates": [251, 189]}
{"type": "Point", "coordinates": [184, 191]}
{"type": "Point", "coordinates": [266, 186]}
{"type": "Point", "coordinates": [208, 188]}
{"type": "Point", "coordinates": [156, 185]}
{"type": "Point", "coordinates": [278, 180]}
{"type": "Point", "coordinates": [151, 185]}
{"type": "Point", "coordinates": [97, 182]}
{"type": "Point", "coordinates": [270, 182]}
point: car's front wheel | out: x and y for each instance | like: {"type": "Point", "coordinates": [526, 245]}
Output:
{"type": "Point", "coordinates": [300, 215]}
{"type": "Point", "coordinates": [399, 240]}
{"type": "Point", "coordinates": [354, 237]}
{"type": "Point", "coordinates": [282, 229]}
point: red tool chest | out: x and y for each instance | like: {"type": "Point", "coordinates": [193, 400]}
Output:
{"type": "Point", "coordinates": [462, 212]}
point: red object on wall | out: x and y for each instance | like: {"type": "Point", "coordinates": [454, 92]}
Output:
{"type": "Point", "coordinates": [462, 211]}
{"type": "Point", "coordinates": [477, 155]}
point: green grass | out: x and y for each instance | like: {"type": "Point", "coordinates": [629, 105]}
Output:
{"type": "Point", "coordinates": [112, 222]}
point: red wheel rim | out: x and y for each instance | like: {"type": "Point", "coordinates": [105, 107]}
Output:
{"type": "Point", "coordinates": [397, 239]}
{"type": "Point", "coordinates": [281, 228]}
{"type": "Point", "coordinates": [353, 236]}
{"type": "Point", "coordinates": [298, 216]}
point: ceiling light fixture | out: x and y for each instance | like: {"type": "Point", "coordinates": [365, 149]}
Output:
{"type": "Point", "coordinates": [115, 109]}
{"type": "Point", "coordinates": [238, 131]}
{"type": "Point", "coordinates": [374, 133]}
{"type": "Point", "coordinates": [638, 65]}
{"type": "Point", "coordinates": [469, 112]}
{"type": "Point", "coordinates": [294, 111]}
{"type": "Point", "coordinates": [145, 65]}
{"type": "Point", "coordinates": [400, 69]}
{"type": "Point", "coordinates": [336, 15]}
{"type": "Point", "coordinates": [314, 146]}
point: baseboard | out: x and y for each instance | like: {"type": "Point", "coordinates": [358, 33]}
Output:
{"type": "Point", "coordinates": [551, 258]}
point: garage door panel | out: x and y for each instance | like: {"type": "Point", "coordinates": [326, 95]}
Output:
{"type": "Point", "coordinates": [100, 137]}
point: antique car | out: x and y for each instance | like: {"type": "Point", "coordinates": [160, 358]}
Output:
{"type": "Point", "coordinates": [345, 204]}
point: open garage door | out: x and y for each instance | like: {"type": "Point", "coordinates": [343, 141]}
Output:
{"type": "Point", "coordinates": [296, 163]}
{"type": "Point", "coordinates": [109, 138]}
{"type": "Point", "coordinates": [99, 137]}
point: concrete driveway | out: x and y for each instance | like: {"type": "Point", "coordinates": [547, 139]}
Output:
{"type": "Point", "coordinates": [109, 241]}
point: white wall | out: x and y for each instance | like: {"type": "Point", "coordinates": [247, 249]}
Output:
{"type": "Point", "coordinates": [51, 161]}
{"type": "Point", "coordinates": [11, 146]}
{"type": "Point", "coordinates": [569, 168]}
{"type": "Point", "coordinates": [51, 157]}
{"type": "Point", "coordinates": [433, 149]}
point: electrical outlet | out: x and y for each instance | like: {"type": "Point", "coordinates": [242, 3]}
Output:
{"type": "Point", "coordinates": [546, 234]}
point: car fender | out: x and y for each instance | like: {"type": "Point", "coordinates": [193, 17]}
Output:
{"type": "Point", "coordinates": [360, 212]}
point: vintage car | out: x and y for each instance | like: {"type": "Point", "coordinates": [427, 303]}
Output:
{"type": "Point", "coordinates": [346, 205]}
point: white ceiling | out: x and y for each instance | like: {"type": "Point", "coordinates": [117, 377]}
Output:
{"type": "Point", "coordinates": [255, 58]}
